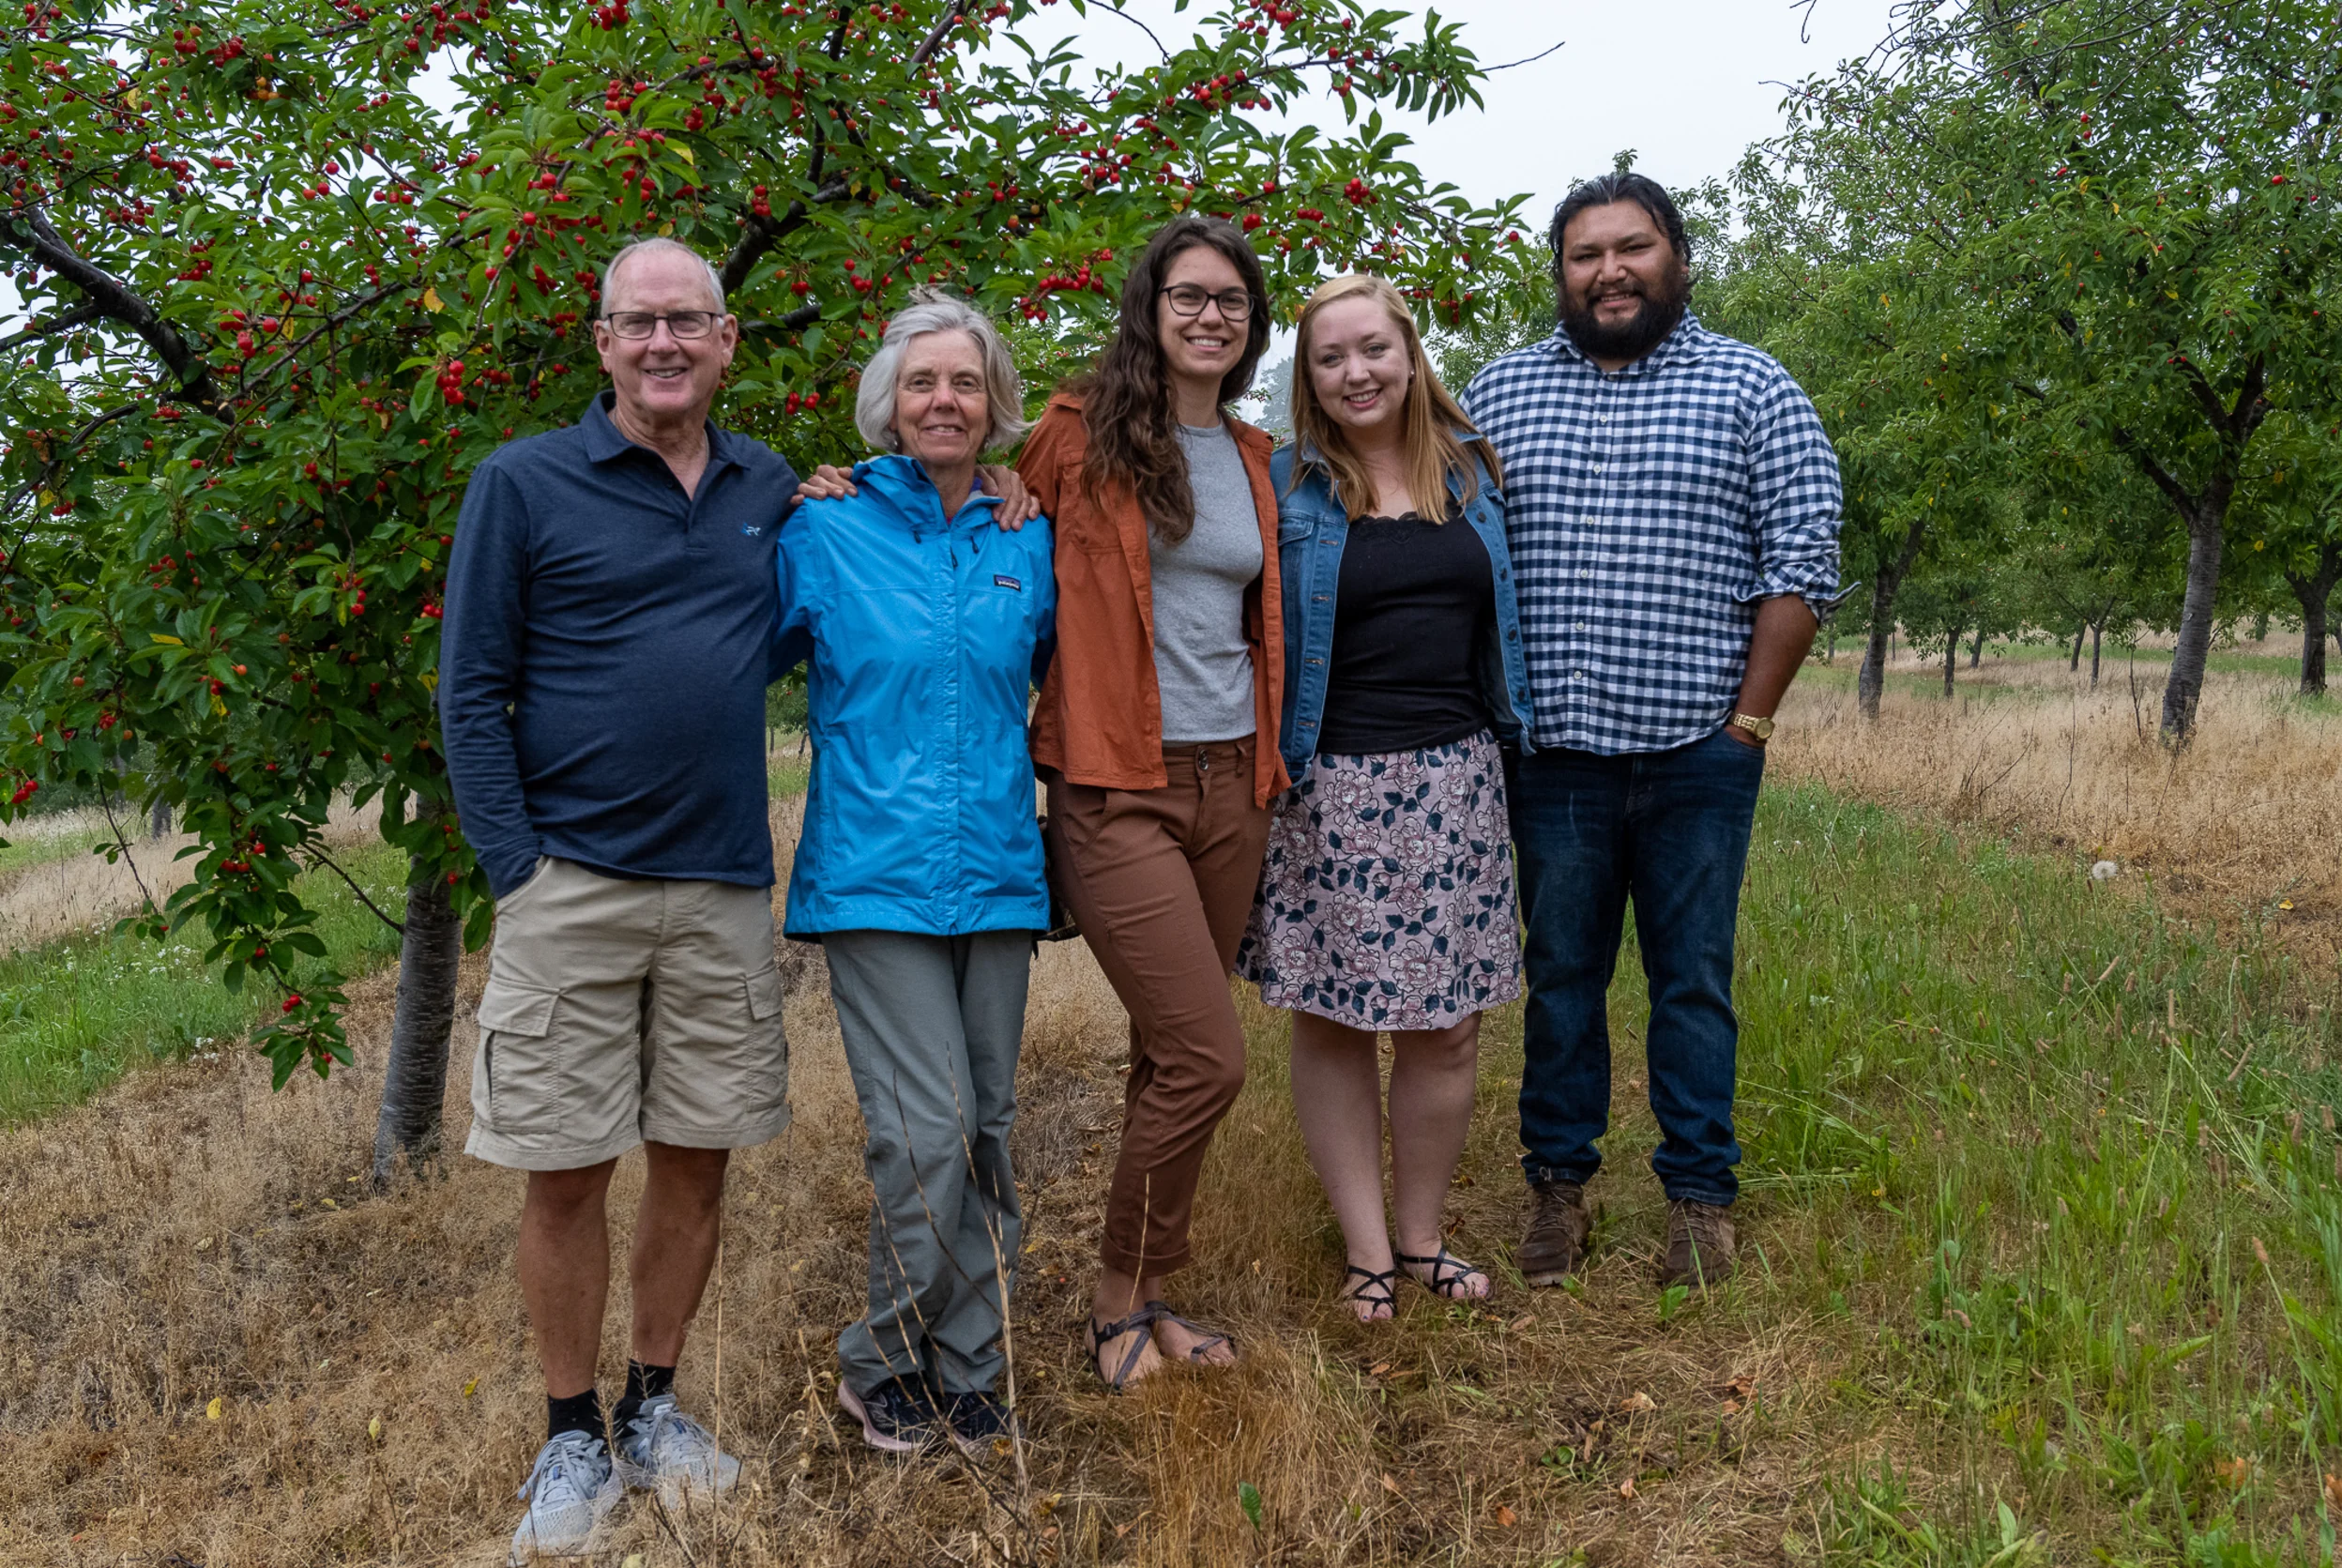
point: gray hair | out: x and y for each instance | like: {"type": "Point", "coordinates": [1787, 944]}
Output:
{"type": "Point", "coordinates": [1004, 393]}
{"type": "Point", "coordinates": [660, 242]}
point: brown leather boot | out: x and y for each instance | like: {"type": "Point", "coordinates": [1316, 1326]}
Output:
{"type": "Point", "coordinates": [1558, 1228]}
{"type": "Point", "coordinates": [1699, 1244]}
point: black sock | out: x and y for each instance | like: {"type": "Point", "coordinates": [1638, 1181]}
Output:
{"type": "Point", "coordinates": [579, 1412]}
{"type": "Point", "coordinates": [642, 1383]}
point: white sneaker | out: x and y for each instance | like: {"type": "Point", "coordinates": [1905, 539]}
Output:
{"type": "Point", "coordinates": [665, 1448]}
{"type": "Point", "coordinates": [569, 1492]}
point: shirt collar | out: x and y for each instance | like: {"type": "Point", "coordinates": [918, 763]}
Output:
{"type": "Point", "coordinates": [1686, 345]}
{"type": "Point", "coordinates": [605, 441]}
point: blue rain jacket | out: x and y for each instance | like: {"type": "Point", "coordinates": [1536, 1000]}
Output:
{"type": "Point", "coordinates": [1312, 528]}
{"type": "Point", "coordinates": [924, 636]}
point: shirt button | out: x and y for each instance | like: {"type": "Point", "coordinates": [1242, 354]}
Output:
{"type": "Point", "coordinates": [1579, 627]}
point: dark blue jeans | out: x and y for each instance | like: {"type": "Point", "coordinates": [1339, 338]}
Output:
{"type": "Point", "coordinates": [1669, 831]}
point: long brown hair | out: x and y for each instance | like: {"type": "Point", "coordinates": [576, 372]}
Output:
{"type": "Point", "coordinates": [1432, 440]}
{"type": "Point", "coordinates": [1127, 405]}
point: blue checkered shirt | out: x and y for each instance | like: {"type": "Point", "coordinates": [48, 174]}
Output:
{"type": "Point", "coordinates": [1648, 511]}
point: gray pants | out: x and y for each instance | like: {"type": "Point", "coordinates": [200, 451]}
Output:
{"type": "Point", "coordinates": [932, 1026]}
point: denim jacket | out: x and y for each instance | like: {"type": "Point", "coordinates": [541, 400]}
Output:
{"type": "Point", "coordinates": [1311, 527]}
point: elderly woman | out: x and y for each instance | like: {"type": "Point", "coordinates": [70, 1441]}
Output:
{"type": "Point", "coordinates": [924, 626]}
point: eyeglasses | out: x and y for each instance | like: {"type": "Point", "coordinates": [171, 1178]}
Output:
{"type": "Point", "coordinates": [641, 324]}
{"type": "Point", "coordinates": [1188, 299]}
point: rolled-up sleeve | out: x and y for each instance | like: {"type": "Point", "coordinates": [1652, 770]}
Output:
{"type": "Point", "coordinates": [484, 643]}
{"type": "Point", "coordinates": [1798, 506]}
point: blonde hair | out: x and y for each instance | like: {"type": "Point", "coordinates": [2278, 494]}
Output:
{"type": "Point", "coordinates": [1432, 439]}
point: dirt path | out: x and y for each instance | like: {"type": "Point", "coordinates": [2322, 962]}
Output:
{"type": "Point", "coordinates": [82, 892]}
{"type": "Point", "coordinates": [191, 1237]}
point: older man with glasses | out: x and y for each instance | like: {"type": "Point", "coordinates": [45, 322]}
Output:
{"type": "Point", "coordinates": [607, 645]}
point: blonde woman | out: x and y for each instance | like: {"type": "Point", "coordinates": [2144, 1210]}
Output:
{"type": "Point", "coordinates": [1386, 903]}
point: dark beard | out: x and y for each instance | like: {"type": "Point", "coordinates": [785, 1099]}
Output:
{"type": "Point", "coordinates": [1638, 335]}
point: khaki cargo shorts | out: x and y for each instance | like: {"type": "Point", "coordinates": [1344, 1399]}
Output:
{"type": "Point", "coordinates": [621, 1013]}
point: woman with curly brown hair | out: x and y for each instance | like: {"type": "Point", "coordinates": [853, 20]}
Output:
{"type": "Point", "coordinates": [1156, 732]}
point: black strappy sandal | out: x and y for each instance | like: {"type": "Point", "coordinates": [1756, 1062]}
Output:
{"type": "Point", "coordinates": [1101, 1337]}
{"type": "Point", "coordinates": [1195, 1353]}
{"type": "Point", "coordinates": [1447, 1271]}
{"type": "Point", "coordinates": [1382, 1283]}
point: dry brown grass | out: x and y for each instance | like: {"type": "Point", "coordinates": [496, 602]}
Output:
{"type": "Point", "coordinates": [191, 1237]}
{"type": "Point", "coordinates": [2247, 817]}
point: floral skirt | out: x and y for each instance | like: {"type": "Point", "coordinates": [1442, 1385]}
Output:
{"type": "Point", "coordinates": [1386, 901]}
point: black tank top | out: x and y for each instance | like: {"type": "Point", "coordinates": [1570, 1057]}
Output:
{"type": "Point", "coordinates": [1415, 604]}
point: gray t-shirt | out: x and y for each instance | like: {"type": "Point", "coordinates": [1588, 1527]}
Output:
{"type": "Point", "coordinates": [1203, 664]}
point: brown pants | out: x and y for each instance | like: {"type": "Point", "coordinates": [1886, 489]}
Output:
{"type": "Point", "coordinates": [1162, 881]}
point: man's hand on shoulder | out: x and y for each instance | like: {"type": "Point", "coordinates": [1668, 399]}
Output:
{"type": "Point", "coordinates": [828, 482]}
{"type": "Point", "coordinates": [1017, 505]}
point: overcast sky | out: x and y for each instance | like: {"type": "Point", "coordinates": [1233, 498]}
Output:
{"type": "Point", "coordinates": [1688, 83]}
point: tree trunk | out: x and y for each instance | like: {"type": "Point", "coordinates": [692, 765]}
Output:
{"type": "Point", "coordinates": [2313, 648]}
{"type": "Point", "coordinates": [414, 1079]}
{"type": "Point", "coordinates": [1951, 661]}
{"type": "Point", "coordinates": [1976, 650]}
{"type": "Point", "coordinates": [158, 820]}
{"type": "Point", "coordinates": [1873, 679]}
{"type": "Point", "coordinates": [2096, 632]}
{"type": "Point", "coordinates": [2076, 662]}
{"type": "Point", "coordinates": [2313, 590]}
{"type": "Point", "coordinates": [2205, 543]}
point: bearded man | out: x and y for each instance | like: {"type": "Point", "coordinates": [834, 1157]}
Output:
{"type": "Point", "coordinates": [1673, 511]}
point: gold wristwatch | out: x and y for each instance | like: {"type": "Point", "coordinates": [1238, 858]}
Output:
{"type": "Point", "coordinates": [1760, 728]}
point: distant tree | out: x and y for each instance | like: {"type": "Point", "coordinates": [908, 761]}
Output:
{"type": "Point", "coordinates": [2293, 493]}
{"type": "Point", "coordinates": [1273, 398]}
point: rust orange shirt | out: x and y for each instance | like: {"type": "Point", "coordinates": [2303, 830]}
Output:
{"type": "Point", "coordinates": [1100, 718]}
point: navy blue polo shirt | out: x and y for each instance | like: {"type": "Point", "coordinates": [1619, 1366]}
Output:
{"type": "Point", "coordinates": [604, 655]}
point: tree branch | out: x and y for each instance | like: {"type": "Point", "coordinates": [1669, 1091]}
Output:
{"type": "Point", "coordinates": [79, 316]}
{"type": "Point", "coordinates": [932, 42]}
{"type": "Point", "coordinates": [321, 858]}
{"type": "Point", "coordinates": [2161, 476]}
{"type": "Point", "coordinates": [115, 301]}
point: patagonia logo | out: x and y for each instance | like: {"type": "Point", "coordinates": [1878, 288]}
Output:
{"type": "Point", "coordinates": [1008, 582]}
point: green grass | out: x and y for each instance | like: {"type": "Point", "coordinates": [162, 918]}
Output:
{"type": "Point", "coordinates": [2054, 1178]}
{"type": "Point", "coordinates": [75, 1014]}
{"type": "Point", "coordinates": [2111, 657]}
{"type": "Point", "coordinates": [2113, 662]}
